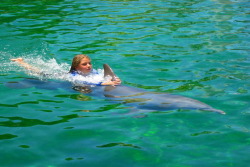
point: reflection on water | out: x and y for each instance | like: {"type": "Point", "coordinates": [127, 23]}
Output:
{"type": "Point", "coordinates": [24, 122]}
{"type": "Point", "coordinates": [118, 144]}
{"type": "Point", "coordinates": [80, 97]}
{"type": "Point", "coordinates": [7, 136]}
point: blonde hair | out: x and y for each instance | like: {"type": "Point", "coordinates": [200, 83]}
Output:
{"type": "Point", "coordinates": [76, 61]}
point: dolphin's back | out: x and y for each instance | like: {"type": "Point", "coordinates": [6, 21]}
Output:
{"type": "Point", "coordinates": [142, 99]}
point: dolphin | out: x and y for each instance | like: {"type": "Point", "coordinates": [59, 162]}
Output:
{"type": "Point", "coordinates": [145, 100]}
{"type": "Point", "coordinates": [139, 100]}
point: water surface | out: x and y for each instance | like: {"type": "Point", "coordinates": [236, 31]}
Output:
{"type": "Point", "coordinates": [198, 49]}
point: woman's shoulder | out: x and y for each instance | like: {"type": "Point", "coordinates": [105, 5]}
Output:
{"type": "Point", "coordinates": [73, 73]}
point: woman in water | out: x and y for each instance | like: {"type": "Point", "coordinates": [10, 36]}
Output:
{"type": "Point", "coordinates": [81, 66]}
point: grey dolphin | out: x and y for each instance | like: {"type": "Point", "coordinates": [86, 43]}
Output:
{"type": "Point", "coordinates": [149, 101]}
{"type": "Point", "coordinates": [138, 99]}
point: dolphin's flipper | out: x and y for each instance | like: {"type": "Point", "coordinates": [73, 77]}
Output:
{"type": "Point", "coordinates": [18, 85]}
{"type": "Point", "coordinates": [32, 82]}
{"type": "Point", "coordinates": [25, 83]}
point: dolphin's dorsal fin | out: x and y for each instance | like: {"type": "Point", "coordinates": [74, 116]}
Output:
{"type": "Point", "coordinates": [108, 71]}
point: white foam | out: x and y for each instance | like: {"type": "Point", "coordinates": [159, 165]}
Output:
{"type": "Point", "coordinates": [92, 78]}
{"type": "Point", "coordinates": [50, 69]}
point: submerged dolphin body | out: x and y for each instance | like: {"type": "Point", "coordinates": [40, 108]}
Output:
{"type": "Point", "coordinates": [149, 101]}
{"type": "Point", "coordinates": [31, 82]}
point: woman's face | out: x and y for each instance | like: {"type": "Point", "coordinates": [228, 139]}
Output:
{"type": "Point", "coordinates": [84, 66]}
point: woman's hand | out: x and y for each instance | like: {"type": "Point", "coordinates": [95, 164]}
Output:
{"type": "Point", "coordinates": [117, 81]}
{"type": "Point", "coordinates": [18, 60]}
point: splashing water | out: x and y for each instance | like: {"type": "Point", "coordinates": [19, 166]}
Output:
{"type": "Point", "coordinates": [49, 69]}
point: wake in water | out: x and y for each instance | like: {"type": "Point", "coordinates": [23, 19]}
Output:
{"type": "Point", "coordinates": [49, 69]}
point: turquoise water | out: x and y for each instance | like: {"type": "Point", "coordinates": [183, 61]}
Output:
{"type": "Point", "coordinates": [197, 49]}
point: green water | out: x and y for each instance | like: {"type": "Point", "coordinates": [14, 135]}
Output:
{"type": "Point", "coordinates": [193, 48]}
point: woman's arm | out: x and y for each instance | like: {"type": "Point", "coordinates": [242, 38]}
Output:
{"type": "Point", "coordinates": [25, 65]}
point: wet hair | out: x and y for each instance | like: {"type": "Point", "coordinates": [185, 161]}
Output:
{"type": "Point", "coordinates": [76, 61]}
